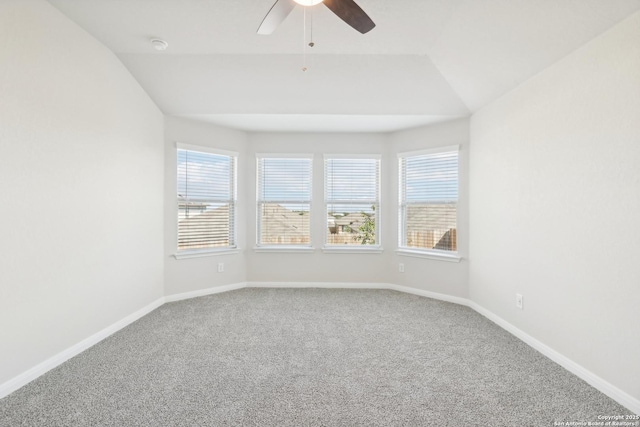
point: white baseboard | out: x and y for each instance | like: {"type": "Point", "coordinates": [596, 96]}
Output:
{"type": "Point", "coordinates": [44, 367]}
{"type": "Point", "coordinates": [203, 292]}
{"type": "Point", "coordinates": [325, 285]}
{"type": "Point", "coordinates": [595, 381]}
{"type": "Point", "coordinates": [358, 285]}
{"type": "Point", "coordinates": [428, 294]}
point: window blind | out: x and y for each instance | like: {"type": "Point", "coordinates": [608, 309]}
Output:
{"type": "Point", "coordinates": [352, 188]}
{"type": "Point", "coordinates": [284, 201]}
{"type": "Point", "coordinates": [429, 199]}
{"type": "Point", "coordinates": [206, 200]}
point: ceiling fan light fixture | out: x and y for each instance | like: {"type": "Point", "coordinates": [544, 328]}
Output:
{"type": "Point", "coordinates": [347, 10]}
{"type": "Point", "coordinates": [308, 2]}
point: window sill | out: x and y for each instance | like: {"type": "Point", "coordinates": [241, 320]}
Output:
{"type": "Point", "coordinates": [352, 249]}
{"type": "Point", "coordinates": [435, 255]}
{"type": "Point", "coordinates": [285, 249]}
{"type": "Point", "coordinates": [205, 252]}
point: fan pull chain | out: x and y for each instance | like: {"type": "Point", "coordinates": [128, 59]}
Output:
{"type": "Point", "coordinates": [304, 40]}
{"type": "Point", "coordinates": [304, 36]}
{"type": "Point", "coordinates": [311, 43]}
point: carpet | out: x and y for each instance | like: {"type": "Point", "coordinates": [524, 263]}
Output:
{"type": "Point", "coordinates": [308, 357]}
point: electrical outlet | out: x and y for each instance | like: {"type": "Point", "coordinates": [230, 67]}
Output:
{"type": "Point", "coordinates": [401, 268]}
{"type": "Point", "coordinates": [519, 301]}
{"type": "Point", "coordinates": [220, 267]}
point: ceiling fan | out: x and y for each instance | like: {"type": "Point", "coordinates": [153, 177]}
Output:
{"type": "Point", "coordinates": [347, 10]}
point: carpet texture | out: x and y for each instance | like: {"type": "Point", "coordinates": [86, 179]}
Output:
{"type": "Point", "coordinates": [308, 357]}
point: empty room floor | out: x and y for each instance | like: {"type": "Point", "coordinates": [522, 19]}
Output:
{"type": "Point", "coordinates": [306, 357]}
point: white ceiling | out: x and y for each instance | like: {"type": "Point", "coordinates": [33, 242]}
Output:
{"type": "Point", "coordinates": [426, 61]}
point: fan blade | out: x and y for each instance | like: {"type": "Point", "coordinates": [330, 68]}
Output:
{"type": "Point", "coordinates": [351, 13]}
{"type": "Point", "coordinates": [278, 12]}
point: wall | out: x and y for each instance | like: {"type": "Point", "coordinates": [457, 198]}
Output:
{"type": "Point", "coordinates": [80, 187]}
{"type": "Point", "coordinates": [555, 196]}
{"type": "Point", "coordinates": [433, 275]}
{"type": "Point", "coordinates": [188, 275]}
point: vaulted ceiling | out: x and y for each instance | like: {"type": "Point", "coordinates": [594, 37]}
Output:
{"type": "Point", "coordinates": [426, 60]}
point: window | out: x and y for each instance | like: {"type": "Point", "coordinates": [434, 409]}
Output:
{"type": "Point", "coordinates": [428, 200]}
{"type": "Point", "coordinates": [352, 189]}
{"type": "Point", "coordinates": [206, 198]}
{"type": "Point", "coordinates": [284, 200]}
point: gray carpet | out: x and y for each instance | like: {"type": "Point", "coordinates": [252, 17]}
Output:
{"type": "Point", "coordinates": [308, 357]}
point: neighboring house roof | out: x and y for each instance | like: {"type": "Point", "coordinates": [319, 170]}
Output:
{"type": "Point", "coordinates": [448, 241]}
{"type": "Point", "coordinates": [354, 219]}
{"type": "Point", "coordinates": [280, 221]}
{"type": "Point", "coordinates": [442, 215]}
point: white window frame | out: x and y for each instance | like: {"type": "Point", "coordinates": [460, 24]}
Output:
{"type": "Point", "coordinates": [301, 248]}
{"type": "Point", "coordinates": [221, 250]}
{"type": "Point", "coordinates": [423, 252]}
{"type": "Point", "coordinates": [335, 248]}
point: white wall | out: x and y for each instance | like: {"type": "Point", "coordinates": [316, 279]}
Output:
{"type": "Point", "coordinates": [555, 202]}
{"type": "Point", "coordinates": [188, 275]}
{"type": "Point", "coordinates": [81, 189]}
{"type": "Point", "coordinates": [433, 275]}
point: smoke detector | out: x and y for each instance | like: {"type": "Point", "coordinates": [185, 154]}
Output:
{"type": "Point", "coordinates": [159, 45]}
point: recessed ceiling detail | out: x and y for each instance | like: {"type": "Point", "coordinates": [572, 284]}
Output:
{"type": "Point", "coordinates": [426, 58]}
{"type": "Point", "coordinates": [319, 123]}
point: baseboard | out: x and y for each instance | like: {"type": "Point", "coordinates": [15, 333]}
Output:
{"type": "Point", "coordinates": [203, 292]}
{"type": "Point", "coordinates": [325, 285]}
{"type": "Point", "coordinates": [589, 377]}
{"type": "Point", "coordinates": [428, 294]}
{"type": "Point", "coordinates": [358, 285]}
{"type": "Point", "coordinates": [42, 368]}
{"type": "Point", "coordinates": [595, 381]}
